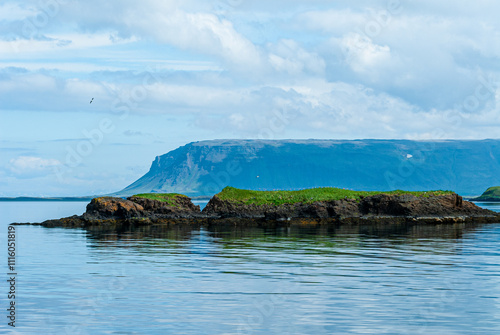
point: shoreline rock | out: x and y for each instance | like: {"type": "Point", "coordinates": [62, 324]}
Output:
{"type": "Point", "coordinates": [104, 208]}
{"type": "Point", "coordinates": [406, 205]}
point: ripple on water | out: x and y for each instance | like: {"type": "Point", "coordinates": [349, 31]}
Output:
{"type": "Point", "coordinates": [259, 281]}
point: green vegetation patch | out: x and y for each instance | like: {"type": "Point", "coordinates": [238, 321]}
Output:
{"type": "Point", "coordinates": [491, 193]}
{"type": "Point", "coordinates": [307, 196]}
{"type": "Point", "coordinates": [164, 197]}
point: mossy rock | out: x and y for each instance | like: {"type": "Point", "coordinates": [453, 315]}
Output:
{"type": "Point", "coordinates": [491, 194]}
{"type": "Point", "coordinates": [169, 198]}
{"type": "Point", "coordinates": [307, 196]}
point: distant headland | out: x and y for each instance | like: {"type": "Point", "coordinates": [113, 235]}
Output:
{"type": "Point", "coordinates": [492, 194]}
{"type": "Point", "coordinates": [204, 168]}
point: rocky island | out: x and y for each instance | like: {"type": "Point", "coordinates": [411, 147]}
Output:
{"type": "Point", "coordinates": [331, 206]}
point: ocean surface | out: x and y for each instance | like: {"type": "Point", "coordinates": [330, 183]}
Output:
{"type": "Point", "coordinates": [421, 280]}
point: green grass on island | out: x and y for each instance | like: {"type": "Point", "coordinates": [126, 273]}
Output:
{"type": "Point", "coordinates": [163, 197]}
{"type": "Point", "coordinates": [493, 193]}
{"type": "Point", "coordinates": [307, 195]}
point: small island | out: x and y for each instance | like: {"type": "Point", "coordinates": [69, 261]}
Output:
{"type": "Point", "coordinates": [331, 206]}
{"type": "Point", "coordinates": [492, 194]}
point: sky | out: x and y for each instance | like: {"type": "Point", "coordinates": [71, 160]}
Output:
{"type": "Point", "coordinates": [166, 73]}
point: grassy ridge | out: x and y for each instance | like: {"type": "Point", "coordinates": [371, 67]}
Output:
{"type": "Point", "coordinates": [491, 193]}
{"type": "Point", "coordinates": [163, 197]}
{"type": "Point", "coordinates": [307, 196]}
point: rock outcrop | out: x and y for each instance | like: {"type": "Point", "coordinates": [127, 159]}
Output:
{"type": "Point", "coordinates": [108, 207]}
{"type": "Point", "coordinates": [373, 206]}
{"type": "Point", "coordinates": [181, 206]}
{"type": "Point", "coordinates": [376, 209]}
{"type": "Point", "coordinates": [105, 208]}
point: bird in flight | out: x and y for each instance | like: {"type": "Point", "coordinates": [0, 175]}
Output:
{"type": "Point", "coordinates": [91, 100]}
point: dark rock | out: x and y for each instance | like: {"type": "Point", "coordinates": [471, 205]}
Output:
{"type": "Point", "coordinates": [380, 209]}
{"type": "Point", "coordinates": [136, 207]}
{"type": "Point", "coordinates": [108, 207]}
{"type": "Point", "coordinates": [377, 205]}
{"type": "Point", "coordinates": [181, 205]}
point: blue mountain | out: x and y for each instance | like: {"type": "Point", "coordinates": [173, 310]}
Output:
{"type": "Point", "coordinates": [204, 168]}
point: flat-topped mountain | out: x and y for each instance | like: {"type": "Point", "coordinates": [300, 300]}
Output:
{"type": "Point", "coordinates": [205, 168]}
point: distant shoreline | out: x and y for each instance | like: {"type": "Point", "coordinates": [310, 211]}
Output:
{"type": "Point", "coordinates": [76, 199]}
{"type": "Point", "coordinates": [82, 199]}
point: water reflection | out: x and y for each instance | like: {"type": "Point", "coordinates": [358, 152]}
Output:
{"type": "Point", "coordinates": [406, 234]}
{"type": "Point", "coordinates": [324, 279]}
{"type": "Point", "coordinates": [345, 231]}
{"type": "Point", "coordinates": [182, 279]}
{"type": "Point", "coordinates": [316, 279]}
{"type": "Point", "coordinates": [494, 206]}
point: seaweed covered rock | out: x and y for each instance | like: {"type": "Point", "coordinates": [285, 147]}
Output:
{"type": "Point", "coordinates": [165, 206]}
{"type": "Point", "coordinates": [178, 204]}
{"type": "Point", "coordinates": [410, 205]}
{"type": "Point", "coordinates": [393, 205]}
{"type": "Point", "coordinates": [108, 207]}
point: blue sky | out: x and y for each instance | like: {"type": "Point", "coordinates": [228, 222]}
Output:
{"type": "Point", "coordinates": [165, 73]}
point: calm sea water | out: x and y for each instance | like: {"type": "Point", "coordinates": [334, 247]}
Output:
{"type": "Point", "coordinates": [427, 280]}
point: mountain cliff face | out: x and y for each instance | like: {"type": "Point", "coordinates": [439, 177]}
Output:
{"type": "Point", "coordinates": [204, 168]}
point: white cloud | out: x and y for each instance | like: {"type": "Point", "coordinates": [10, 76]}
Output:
{"type": "Point", "coordinates": [62, 66]}
{"type": "Point", "coordinates": [28, 82]}
{"type": "Point", "coordinates": [287, 56]}
{"type": "Point", "coordinates": [30, 167]}
{"type": "Point", "coordinates": [28, 48]}
{"type": "Point", "coordinates": [203, 32]}
{"type": "Point", "coordinates": [282, 68]}
{"type": "Point", "coordinates": [167, 22]}
{"type": "Point", "coordinates": [420, 53]}
{"type": "Point", "coordinates": [11, 11]}
{"type": "Point", "coordinates": [333, 21]}
{"type": "Point", "coordinates": [364, 56]}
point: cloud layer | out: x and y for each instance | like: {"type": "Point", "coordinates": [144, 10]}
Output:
{"type": "Point", "coordinates": [176, 71]}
